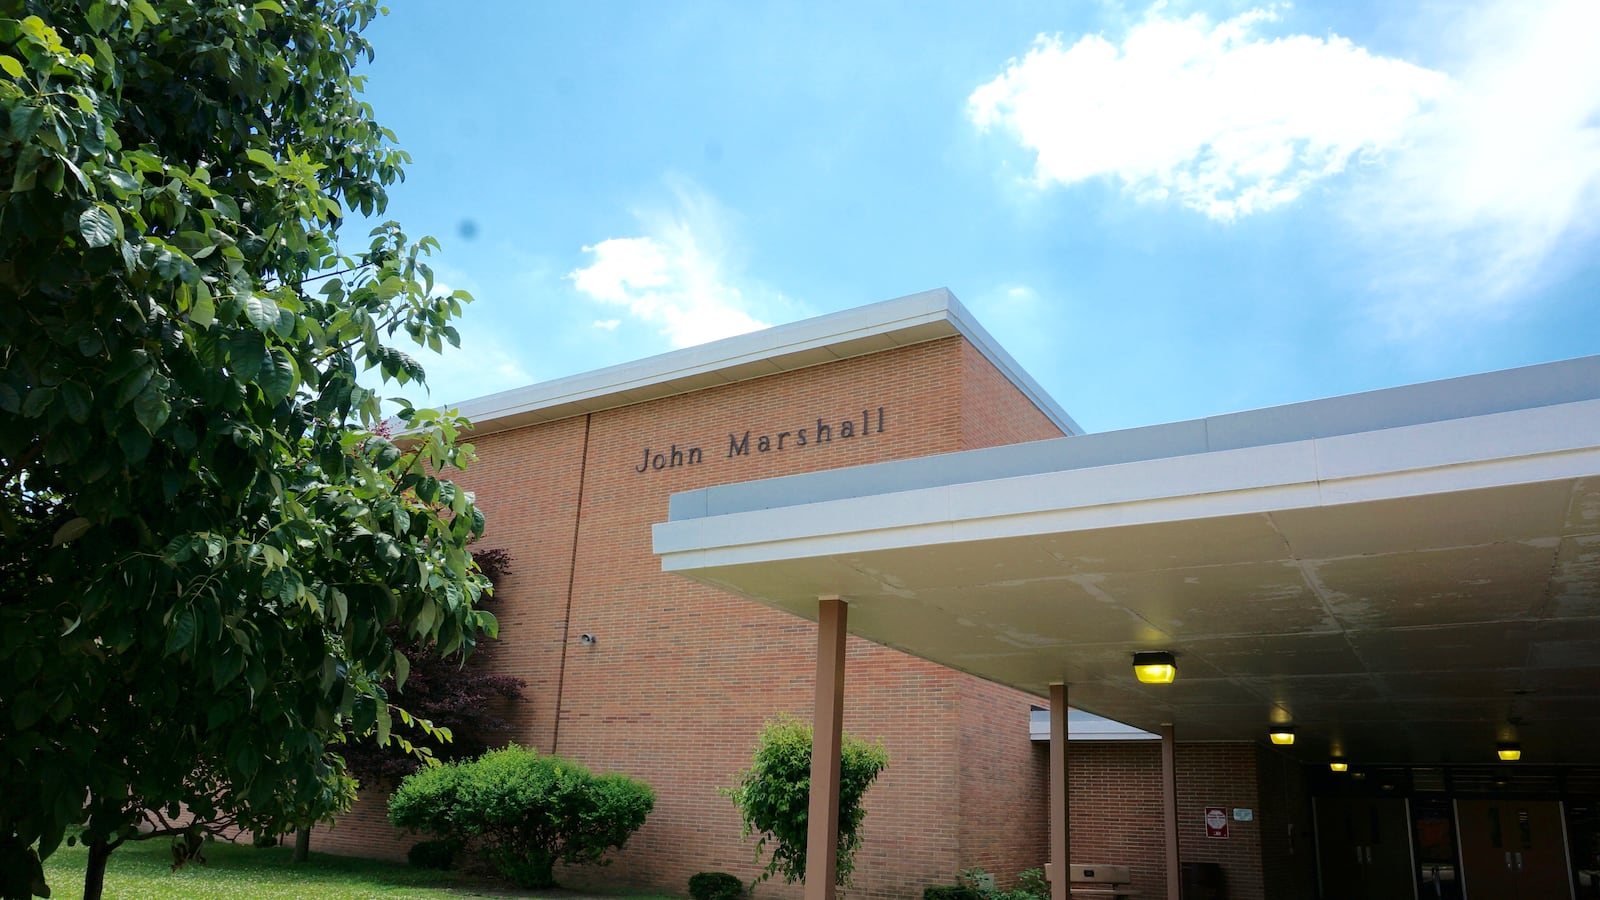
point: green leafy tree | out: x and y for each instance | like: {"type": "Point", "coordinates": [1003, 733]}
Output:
{"type": "Point", "coordinates": [774, 797]}
{"type": "Point", "coordinates": [461, 702]}
{"type": "Point", "coordinates": [204, 543]}
{"type": "Point", "coordinates": [523, 810]}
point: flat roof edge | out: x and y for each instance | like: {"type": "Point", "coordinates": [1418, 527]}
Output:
{"type": "Point", "coordinates": [1010, 368]}
{"type": "Point", "coordinates": [901, 321]}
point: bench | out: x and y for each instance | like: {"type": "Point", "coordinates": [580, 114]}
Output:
{"type": "Point", "coordinates": [1097, 882]}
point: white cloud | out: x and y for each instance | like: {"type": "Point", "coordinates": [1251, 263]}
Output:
{"type": "Point", "coordinates": [675, 277]}
{"type": "Point", "coordinates": [1501, 185]}
{"type": "Point", "coordinates": [1224, 120]}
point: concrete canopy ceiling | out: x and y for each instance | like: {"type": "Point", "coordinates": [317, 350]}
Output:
{"type": "Point", "coordinates": [1405, 595]}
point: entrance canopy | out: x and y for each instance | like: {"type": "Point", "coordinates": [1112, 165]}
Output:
{"type": "Point", "coordinates": [1406, 576]}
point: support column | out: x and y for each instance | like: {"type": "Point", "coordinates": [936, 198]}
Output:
{"type": "Point", "coordinates": [1060, 798]}
{"type": "Point", "coordinates": [827, 738]}
{"type": "Point", "coordinates": [1169, 805]}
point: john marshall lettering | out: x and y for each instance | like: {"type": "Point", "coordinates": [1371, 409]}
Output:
{"type": "Point", "coordinates": [820, 433]}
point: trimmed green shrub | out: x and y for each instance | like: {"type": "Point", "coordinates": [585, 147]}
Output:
{"type": "Point", "coordinates": [715, 886]}
{"type": "Point", "coordinates": [432, 854]}
{"type": "Point", "coordinates": [774, 794]}
{"type": "Point", "coordinates": [525, 811]}
{"type": "Point", "coordinates": [976, 884]}
{"type": "Point", "coordinates": [951, 892]}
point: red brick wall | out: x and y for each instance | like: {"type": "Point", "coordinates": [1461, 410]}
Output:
{"type": "Point", "coordinates": [1116, 816]}
{"type": "Point", "coordinates": [1115, 809]}
{"type": "Point", "coordinates": [993, 411]}
{"type": "Point", "coordinates": [1004, 784]}
{"type": "Point", "coordinates": [681, 677]}
{"type": "Point", "coordinates": [1221, 775]}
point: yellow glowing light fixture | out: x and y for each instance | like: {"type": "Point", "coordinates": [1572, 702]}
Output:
{"type": "Point", "coordinates": [1155, 667]}
{"type": "Point", "coordinates": [1339, 765]}
{"type": "Point", "coordinates": [1282, 735]}
{"type": "Point", "coordinates": [1510, 752]}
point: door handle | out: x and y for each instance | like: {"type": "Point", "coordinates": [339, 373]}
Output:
{"type": "Point", "coordinates": [1519, 860]}
{"type": "Point", "coordinates": [1508, 862]}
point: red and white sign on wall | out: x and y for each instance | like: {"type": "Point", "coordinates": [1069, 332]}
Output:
{"type": "Point", "coordinates": [1217, 822]}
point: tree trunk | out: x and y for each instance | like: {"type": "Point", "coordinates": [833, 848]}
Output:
{"type": "Point", "coordinates": [94, 873]}
{"type": "Point", "coordinates": [302, 845]}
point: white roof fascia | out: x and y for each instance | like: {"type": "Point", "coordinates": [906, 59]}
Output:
{"type": "Point", "coordinates": [1010, 368]}
{"type": "Point", "coordinates": [903, 321]}
{"type": "Point", "coordinates": [1518, 447]}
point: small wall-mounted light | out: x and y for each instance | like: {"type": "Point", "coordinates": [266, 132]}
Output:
{"type": "Point", "coordinates": [1282, 735]}
{"type": "Point", "coordinates": [587, 638]}
{"type": "Point", "coordinates": [1509, 751]}
{"type": "Point", "coordinates": [1155, 667]}
{"type": "Point", "coordinates": [1338, 765]}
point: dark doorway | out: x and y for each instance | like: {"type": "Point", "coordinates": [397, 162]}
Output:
{"type": "Point", "coordinates": [1364, 848]}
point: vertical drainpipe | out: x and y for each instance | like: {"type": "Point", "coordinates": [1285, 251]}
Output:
{"type": "Point", "coordinates": [572, 577]}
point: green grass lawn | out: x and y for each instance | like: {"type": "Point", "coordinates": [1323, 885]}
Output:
{"type": "Point", "coordinates": [241, 872]}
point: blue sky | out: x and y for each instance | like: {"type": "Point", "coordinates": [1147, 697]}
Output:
{"type": "Point", "coordinates": [1162, 211]}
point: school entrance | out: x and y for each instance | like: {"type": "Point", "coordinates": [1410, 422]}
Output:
{"type": "Point", "coordinates": [1459, 833]}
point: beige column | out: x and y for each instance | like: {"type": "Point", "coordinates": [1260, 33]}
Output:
{"type": "Point", "coordinates": [1060, 800]}
{"type": "Point", "coordinates": [1169, 804]}
{"type": "Point", "coordinates": [827, 737]}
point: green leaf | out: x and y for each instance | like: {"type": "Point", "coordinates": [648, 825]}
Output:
{"type": "Point", "coordinates": [135, 445]}
{"type": "Point", "coordinates": [70, 531]}
{"type": "Point", "coordinates": [27, 175]}
{"type": "Point", "coordinates": [402, 669]}
{"type": "Point", "coordinates": [78, 401]}
{"type": "Point", "coordinates": [279, 377]}
{"type": "Point", "coordinates": [25, 121]}
{"type": "Point", "coordinates": [141, 12]}
{"type": "Point", "coordinates": [133, 385]}
{"type": "Point", "coordinates": [97, 227]}
{"type": "Point", "coordinates": [9, 399]}
{"type": "Point", "coordinates": [204, 311]}
{"type": "Point", "coordinates": [38, 401]}
{"type": "Point", "coordinates": [151, 409]}
{"type": "Point", "coordinates": [261, 311]}
{"type": "Point", "coordinates": [11, 66]}
{"type": "Point", "coordinates": [246, 350]}
{"type": "Point", "coordinates": [27, 709]}
{"type": "Point", "coordinates": [426, 617]}
{"type": "Point", "coordinates": [121, 181]}
{"type": "Point", "coordinates": [181, 634]}
{"type": "Point", "coordinates": [101, 17]}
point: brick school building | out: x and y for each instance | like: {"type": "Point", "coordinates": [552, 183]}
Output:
{"type": "Point", "coordinates": [634, 669]}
